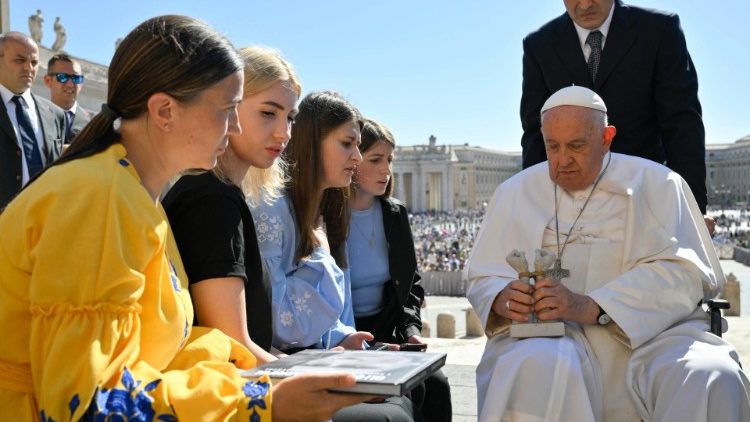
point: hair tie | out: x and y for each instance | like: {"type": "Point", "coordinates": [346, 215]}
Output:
{"type": "Point", "coordinates": [112, 115]}
{"type": "Point", "coordinates": [109, 112]}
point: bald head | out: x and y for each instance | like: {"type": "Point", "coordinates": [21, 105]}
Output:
{"type": "Point", "coordinates": [18, 37]}
{"type": "Point", "coordinates": [19, 61]}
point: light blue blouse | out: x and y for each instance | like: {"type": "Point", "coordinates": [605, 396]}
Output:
{"type": "Point", "coordinates": [311, 299]}
{"type": "Point", "coordinates": [368, 260]}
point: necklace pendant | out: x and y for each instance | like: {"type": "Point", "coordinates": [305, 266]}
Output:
{"type": "Point", "coordinates": [557, 272]}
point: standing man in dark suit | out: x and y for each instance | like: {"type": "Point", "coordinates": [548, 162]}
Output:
{"type": "Point", "coordinates": [637, 61]}
{"type": "Point", "coordinates": [65, 79]}
{"type": "Point", "coordinates": [32, 129]}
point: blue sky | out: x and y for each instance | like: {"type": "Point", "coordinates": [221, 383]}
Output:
{"type": "Point", "coordinates": [452, 69]}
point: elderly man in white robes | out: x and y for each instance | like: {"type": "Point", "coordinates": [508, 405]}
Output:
{"type": "Point", "coordinates": [640, 260]}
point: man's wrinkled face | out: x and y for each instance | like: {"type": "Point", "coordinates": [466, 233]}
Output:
{"type": "Point", "coordinates": [575, 139]}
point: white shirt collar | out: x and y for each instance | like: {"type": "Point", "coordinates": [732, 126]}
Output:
{"type": "Point", "coordinates": [74, 108]}
{"type": "Point", "coordinates": [583, 33]}
{"type": "Point", "coordinates": [8, 95]}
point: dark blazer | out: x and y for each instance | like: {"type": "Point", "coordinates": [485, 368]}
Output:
{"type": "Point", "coordinates": [403, 295]}
{"type": "Point", "coordinates": [81, 118]}
{"type": "Point", "coordinates": [53, 127]}
{"type": "Point", "coordinates": [646, 78]}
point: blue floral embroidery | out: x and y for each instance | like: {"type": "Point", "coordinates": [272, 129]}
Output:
{"type": "Point", "coordinates": [173, 277]}
{"type": "Point", "coordinates": [185, 332]}
{"type": "Point", "coordinates": [44, 417]}
{"type": "Point", "coordinates": [73, 406]}
{"type": "Point", "coordinates": [74, 403]}
{"type": "Point", "coordinates": [257, 392]}
{"type": "Point", "coordinates": [176, 287]}
{"type": "Point", "coordinates": [129, 403]}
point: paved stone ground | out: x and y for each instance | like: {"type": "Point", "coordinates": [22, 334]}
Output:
{"type": "Point", "coordinates": [464, 353]}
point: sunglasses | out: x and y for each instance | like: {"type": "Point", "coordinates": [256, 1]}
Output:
{"type": "Point", "coordinates": [63, 78]}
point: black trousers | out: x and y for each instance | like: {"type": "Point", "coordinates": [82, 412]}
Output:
{"type": "Point", "coordinates": [394, 409]}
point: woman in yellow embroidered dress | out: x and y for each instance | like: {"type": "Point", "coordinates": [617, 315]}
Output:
{"type": "Point", "coordinates": [95, 314]}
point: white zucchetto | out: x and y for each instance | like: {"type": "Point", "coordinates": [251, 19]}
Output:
{"type": "Point", "coordinates": [575, 96]}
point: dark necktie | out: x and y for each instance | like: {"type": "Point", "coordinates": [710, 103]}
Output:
{"type": "Point", "coordinates": [69, 116]}
{"type": "Point", "coordinates": [594, 40]}
{"type": "Point", "coordinates": [28, 139]}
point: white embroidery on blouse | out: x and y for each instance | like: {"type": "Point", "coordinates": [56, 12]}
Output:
{"type": "Point", "coordinates": [269, 228]}
{"type": "Point", "coordinates": [287, 320]}
{"type": "Point", "coordinates": [300, 303]}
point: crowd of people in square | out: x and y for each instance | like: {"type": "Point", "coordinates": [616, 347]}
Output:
{"type": "Point", "coordinates": [443, 239]}
{"type": "Point", "coordinates": [733, 227]}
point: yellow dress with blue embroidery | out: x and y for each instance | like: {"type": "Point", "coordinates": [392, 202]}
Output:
{"type": "Point", "coordinates": [95, 315]}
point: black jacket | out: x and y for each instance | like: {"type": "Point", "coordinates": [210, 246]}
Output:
{"type": "Point", "coordinates": [53, 129]}
{"type": "Point", "coordinates": [403, 295]}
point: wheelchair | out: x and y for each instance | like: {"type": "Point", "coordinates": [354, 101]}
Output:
{"type": "Point", "coordinates": [714, 310]}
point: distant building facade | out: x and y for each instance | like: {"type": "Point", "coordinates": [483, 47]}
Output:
{"type": "Point", "coordinates": [447, 177]}
{"type": "Point", "coordinates": [728, 173]}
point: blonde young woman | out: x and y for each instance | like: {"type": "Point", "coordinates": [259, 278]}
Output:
{"type": "Point", "coordinates": [211, 220]}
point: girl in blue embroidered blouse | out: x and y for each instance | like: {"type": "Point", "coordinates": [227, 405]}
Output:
{"type": "Point", "coordinates": [302, 233]}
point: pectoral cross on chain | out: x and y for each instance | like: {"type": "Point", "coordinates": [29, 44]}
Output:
{"type": "Point", "coordinates": [557, 272]}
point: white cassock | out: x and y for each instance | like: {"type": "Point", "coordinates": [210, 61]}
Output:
{"type": "Point", "coordinates": [642, 252]}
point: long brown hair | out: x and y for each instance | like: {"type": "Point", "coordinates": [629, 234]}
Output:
{"type": "Point", "coordinates": [320, 113]}
{"type": "Point", "coordinates": [173, 54]}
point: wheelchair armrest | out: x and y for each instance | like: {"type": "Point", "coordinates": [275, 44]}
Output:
{"type": "Point", "coordinates": [714, 310]}
{"type": "Point", "coordinates": [716, 304]}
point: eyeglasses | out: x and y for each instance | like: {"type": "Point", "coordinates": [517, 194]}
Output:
{"type": "Point", "coordinates": [63, 78]}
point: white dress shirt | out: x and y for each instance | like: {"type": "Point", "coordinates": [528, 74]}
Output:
{"type": "Point", "coordinates": [583, 33]}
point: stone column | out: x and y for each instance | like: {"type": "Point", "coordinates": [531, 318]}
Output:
{"type": "Point", "coordinates": [473, 324]}
{"type": "Point", "coordinates": [4, 16]}
{"type": "Point", "coordinates": [446, 198]}
{"type": "Point", "coordinates": [732, 295]}
{"type": "Point", "coordinates": [446, 325]}
{"type": "Point", "coordinates": [397, 183]}
{"type": "Point", "coordinates": [425, 329]}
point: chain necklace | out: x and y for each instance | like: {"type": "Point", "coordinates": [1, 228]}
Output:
{"type": "Point", "coordinates": [371, 238]}
{"type": "Point", "coordinates": [560, 251]}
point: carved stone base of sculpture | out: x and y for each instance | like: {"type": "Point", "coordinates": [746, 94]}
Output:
{"type": "Point", "coordinates": [537, 329]}
{"type": "Point", "coordinates": [534, 328]}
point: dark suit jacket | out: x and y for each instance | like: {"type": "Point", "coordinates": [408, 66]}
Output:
{"type": "Point", "coordinates": [53, 127]}
{"type": "Point", "coordinates": [646, 78]}
{"type": "Point", "coordinates": [81, 118]}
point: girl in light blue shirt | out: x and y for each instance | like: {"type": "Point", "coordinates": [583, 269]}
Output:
{"type": "Point", "coordinates": [302, 233]}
